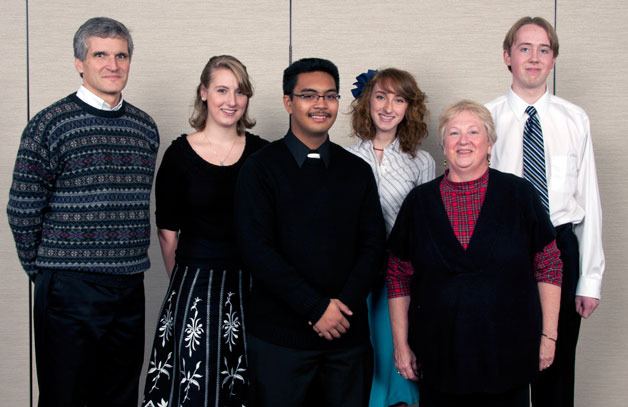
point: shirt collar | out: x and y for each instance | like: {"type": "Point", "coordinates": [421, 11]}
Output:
{"type": "Point", "coordinates": [519, 105]}
{"type": "Point", "coordinates": [300, 151]}
{"type": "Point", "coordinates": [93, 100]}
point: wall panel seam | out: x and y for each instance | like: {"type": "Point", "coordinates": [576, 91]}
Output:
{"type": "Point", "coordinates": [30, 292]}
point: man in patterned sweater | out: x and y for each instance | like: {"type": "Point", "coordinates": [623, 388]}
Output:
{"type": "Point", "coordinates": [79, 212]}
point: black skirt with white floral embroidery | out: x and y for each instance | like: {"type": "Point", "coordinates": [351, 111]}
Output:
{"type": "Point", "coordinates": [199, 352]}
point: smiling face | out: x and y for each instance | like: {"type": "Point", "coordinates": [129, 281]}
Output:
{"type": "Point", "coordinates": [531, 60]}
{"type": "Point", "coordinates": [311, 120]}
{"type": "Point", "coordinates": [387, 109]}
{"type": "Point", "coordinates": [466, 146]}
{"type": "Point", "coordinates": [105, 69]}
{"type": "Point", "coordinates": [225, 101]}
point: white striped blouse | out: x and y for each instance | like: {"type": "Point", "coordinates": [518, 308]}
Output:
{"type": "Point", "coordinates": [396, 175]}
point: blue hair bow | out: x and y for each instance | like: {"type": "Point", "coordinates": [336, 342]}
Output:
{"type": "Point", "coordinates": [362, 80]}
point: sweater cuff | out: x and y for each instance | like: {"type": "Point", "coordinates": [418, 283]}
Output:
{"type": "Point", "coordinates": [318, 309]}
{"type": "Point", "coordinates": [32, 275]}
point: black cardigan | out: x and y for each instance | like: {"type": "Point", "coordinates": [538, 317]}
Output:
{"type": "Point", "coordinates": [307, 237]}
{"type": "Point", "coordinates": [475, 315]}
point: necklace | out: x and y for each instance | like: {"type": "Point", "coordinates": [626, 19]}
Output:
{"type": "Point", "coordinates": [387, 143]}
{"type": "Point", "coordinates": [214, 150]}
{"type": "Point", "coordinates": [222, 162]}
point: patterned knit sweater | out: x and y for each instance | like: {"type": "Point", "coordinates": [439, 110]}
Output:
{"type": "Point", "coordinates": [81, 187]}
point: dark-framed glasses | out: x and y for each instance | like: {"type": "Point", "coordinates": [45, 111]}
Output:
{"type": "Point", "coordinates": [311, 97]}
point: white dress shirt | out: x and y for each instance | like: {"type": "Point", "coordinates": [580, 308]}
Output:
{"type": "Point", "coordinates": [91, 99]}
{"type": "Point", "coordinates": [570, 168]}
{"type": "Point", "coordinates": [396, 175]}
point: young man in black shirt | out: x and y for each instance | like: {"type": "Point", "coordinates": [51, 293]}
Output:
{"type": "Point", "coordinates": [312, 234]}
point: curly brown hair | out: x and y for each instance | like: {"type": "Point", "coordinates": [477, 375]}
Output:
{"type": "Point", "coordinates": [198, 120]}
{"type": "Point", "coordinates": [413, 128]}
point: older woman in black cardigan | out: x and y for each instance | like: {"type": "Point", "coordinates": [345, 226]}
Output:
{"type": "Point", "coordinates": [473, 277]}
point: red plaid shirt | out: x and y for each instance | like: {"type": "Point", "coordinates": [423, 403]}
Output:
{"type": "Point", "coordinates": [463, 201]}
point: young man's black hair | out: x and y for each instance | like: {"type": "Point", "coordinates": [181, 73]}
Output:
{"type": "Point", "coordinates": [306, 65]}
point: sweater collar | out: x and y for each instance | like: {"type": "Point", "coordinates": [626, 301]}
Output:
{"type": "Point", "coordinates": [466, 186]}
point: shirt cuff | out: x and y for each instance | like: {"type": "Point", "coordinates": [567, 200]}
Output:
{"type": "Point", "coordinates": [589, 287]}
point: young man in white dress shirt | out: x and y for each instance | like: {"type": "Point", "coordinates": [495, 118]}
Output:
{"type": "Point", "coordinates": [530, 51]}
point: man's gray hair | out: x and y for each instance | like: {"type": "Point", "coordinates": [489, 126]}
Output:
{"type": "Point", "coordinates": [103, 27]}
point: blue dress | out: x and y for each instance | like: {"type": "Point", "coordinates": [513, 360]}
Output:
{"type": "Point", "coordinates": [396, 175]}
{"type": "Point", "coordinates": [388, 386]}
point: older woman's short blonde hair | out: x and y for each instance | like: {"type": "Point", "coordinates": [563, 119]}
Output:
{"type": "Point", "coordinates": [470, 106]}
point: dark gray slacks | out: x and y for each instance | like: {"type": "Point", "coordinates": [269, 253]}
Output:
{"type": "Point", "coordinates": [89, 339]}
{"type": "Point", "coordinates": [290, 377]}
{"type": "Point", "coordinates": [554, 387]}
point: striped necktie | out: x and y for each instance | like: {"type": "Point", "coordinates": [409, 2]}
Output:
{"type": "Point", "coordinates": [534, 155]}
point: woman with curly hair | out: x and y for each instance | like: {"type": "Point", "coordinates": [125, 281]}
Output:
{"type": "Point", "coordinates": [388, 118]}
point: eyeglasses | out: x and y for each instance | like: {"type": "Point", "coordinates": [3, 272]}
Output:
{"type": "Point", "coordinates": [313, 97]}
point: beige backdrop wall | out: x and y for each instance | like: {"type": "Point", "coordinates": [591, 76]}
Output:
{"type": "Point", "coordinates": [453, 48]}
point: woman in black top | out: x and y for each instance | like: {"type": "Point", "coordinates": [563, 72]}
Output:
{"type": "Point", "coordinates": [198, 355]}
{"type": "Point", "coordinates": [473, 275]}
